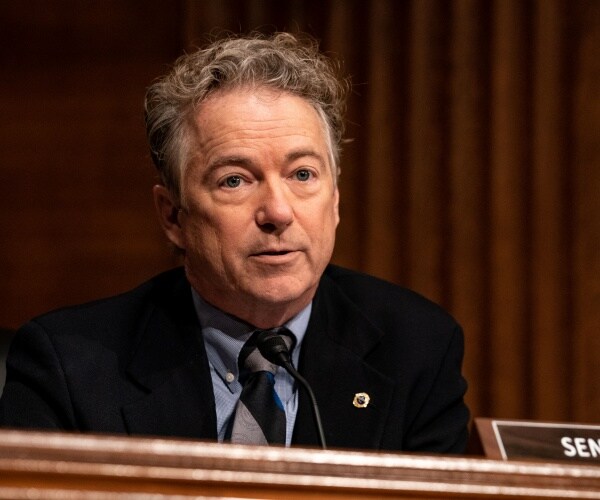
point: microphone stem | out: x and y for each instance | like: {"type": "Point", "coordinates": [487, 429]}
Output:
{"type": "Point", "coordinates": [315, 408]}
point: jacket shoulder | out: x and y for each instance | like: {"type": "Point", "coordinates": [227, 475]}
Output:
{"type": "Point", "coordinates": [112, 314]}
{"type": "Point", "coordinates": [382, 301]}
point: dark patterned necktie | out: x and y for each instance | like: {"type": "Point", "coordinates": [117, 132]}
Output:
{"type": "Point", "coordinates": [259, 415]}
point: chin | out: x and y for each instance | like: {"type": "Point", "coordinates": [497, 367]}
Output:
{"type": "Point", "coordinates": [283, 293]}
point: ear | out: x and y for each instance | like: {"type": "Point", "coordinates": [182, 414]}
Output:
{"type": "Point", "coordinates": [168, 215]}
{"type": "Point", "coordinates": [336, 205]}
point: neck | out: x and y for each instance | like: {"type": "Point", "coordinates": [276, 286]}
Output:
{"type": "Point", "coordinates": [256, 313]}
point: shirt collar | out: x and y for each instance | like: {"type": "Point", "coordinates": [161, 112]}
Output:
{"type": "Point", "coordinates": [224, 336]}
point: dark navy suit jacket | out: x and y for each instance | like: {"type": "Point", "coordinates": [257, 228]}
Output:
{"type": "Point", "coordinates": [135, 364]}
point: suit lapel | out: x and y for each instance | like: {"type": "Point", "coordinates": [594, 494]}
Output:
{"type": "Point", "coordinates": [171, 366]}
{"type": "Point", "coordinates": [337, 341]}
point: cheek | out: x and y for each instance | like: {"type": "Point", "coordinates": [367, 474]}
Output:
{"type": "Point", "coordinates": [331, 212]}
{"type": "Point", "coordinates": [212, 239]}
{"type": "Point", "coordinates": [200, 237]}
{"type": "Point", "coordinates": [323, 221]}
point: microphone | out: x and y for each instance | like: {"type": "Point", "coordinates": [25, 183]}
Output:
{"type": "Point", "coordinates": [274, 349]}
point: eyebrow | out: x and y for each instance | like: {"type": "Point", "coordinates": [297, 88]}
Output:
{"type": "Point", "coordinates": [243, 161]}
{"type": "Point", "coordinates": [301, 153]}
{"type": "Point", "coordinates": [229, 160]}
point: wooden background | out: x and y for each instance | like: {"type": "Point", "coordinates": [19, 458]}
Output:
{"type": "Point", "coordinates": [473, 175]}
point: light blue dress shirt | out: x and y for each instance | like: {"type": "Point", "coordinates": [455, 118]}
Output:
{"type": "Point", "coordinates": [224, 336]}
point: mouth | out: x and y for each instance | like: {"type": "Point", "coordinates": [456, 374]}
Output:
{"type": "Point", "coordinates": [274, 252]}
{"type": "Point", "coordinates": [275, 256]}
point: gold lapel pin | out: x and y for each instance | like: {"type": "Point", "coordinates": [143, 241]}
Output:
{"type": "Point", "coordinates": [361, 400]}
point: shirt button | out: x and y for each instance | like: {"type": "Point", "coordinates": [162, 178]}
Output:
{"type": "Point", "coordinates": [230, 377]}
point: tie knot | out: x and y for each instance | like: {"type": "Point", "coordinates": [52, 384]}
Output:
{"type": "Point", "coordinates": [251, 360]}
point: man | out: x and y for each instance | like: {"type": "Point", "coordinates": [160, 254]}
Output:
{"type": "Point", "coordinates": [246, 137]}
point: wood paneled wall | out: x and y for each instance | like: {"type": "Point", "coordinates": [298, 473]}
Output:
{"type": "Point", "coordinates": [473, 174]}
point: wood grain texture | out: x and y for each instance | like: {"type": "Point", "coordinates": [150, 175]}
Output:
{"type": "Point", "coordinates": [52, 465]}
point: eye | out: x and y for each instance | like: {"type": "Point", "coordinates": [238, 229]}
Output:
{"type": "Point", "coordinates": [233, 181]}
{"type": "Point", "coordinates": [303, 175]}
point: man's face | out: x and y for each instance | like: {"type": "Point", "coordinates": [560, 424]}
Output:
{"type": "Point", "coordinates": [260, 204]}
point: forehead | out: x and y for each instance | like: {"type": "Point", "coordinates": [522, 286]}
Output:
{"type": "Point", "coordinates": [254, 112]}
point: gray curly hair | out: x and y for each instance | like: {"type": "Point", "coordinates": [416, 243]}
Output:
{"type": "Point", "coordinates": [283, 61]}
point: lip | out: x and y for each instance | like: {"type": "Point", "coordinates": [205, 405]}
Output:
{"type": "Point", "coordinates": [273, 256]}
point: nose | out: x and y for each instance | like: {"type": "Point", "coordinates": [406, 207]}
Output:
{"type": "Point", "coordinates": [274, 211]}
